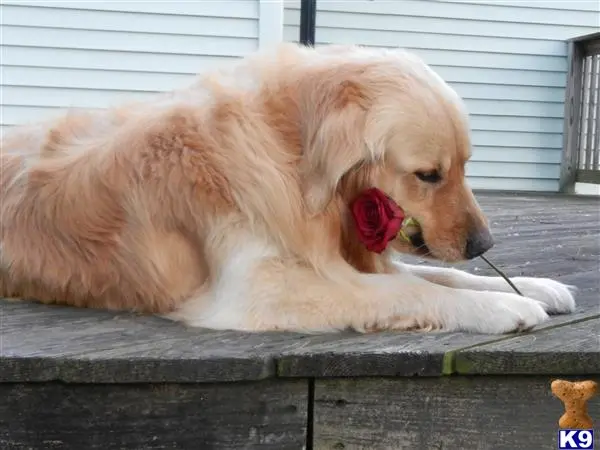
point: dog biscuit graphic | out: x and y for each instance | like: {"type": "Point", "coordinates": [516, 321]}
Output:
{"type": "Point", "coordinates": [574, 395]}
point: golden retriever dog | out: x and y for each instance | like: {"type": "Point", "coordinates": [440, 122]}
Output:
{"type": "Point", "coordinates": [224, 204]}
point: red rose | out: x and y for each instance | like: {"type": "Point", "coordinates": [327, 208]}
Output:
{"type": "Point", "coordinates": [378, 219]}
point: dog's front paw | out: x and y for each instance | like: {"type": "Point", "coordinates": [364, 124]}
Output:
{"type": "Point", "coordinates": [556, 297]}
{"type": "Point", "coordinates": [500, 313]}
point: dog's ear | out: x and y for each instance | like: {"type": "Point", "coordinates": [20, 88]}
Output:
{"type": "Point", "coordinates": [338, 143]}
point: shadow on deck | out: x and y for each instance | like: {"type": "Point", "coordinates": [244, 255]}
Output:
{"type": "Point", "coordinates": [83, 379]}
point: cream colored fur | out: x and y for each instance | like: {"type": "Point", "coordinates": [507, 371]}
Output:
{"type": "Point", "coordinates": [225, 204]}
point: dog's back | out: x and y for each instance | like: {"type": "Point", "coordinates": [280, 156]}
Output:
{"type": "Point", "coordinates": [93, 204]}
{"type": "Point", "coordinates": [70, 224]}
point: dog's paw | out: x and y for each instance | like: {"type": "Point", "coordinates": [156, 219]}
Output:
{"type": "Point", "coordinates": [500, 313]}
{"type": "Point", "coordinates": [556, 297]}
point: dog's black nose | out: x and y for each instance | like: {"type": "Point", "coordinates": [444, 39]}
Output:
{"type": "Point", "coordinates": [478, 242]}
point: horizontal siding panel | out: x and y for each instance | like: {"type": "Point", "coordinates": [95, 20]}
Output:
{"type": "Point", "coordinates": [93, 79]}
{"type": "Point", "coordinates": [516, 108]}
{"type": "Point", "coordinates": [473, 11]}
{"type": "Point", "coordinates": [516, 139]}
{"type": "Point", "coordinates": [349, 20]}
{"type": "Point", "coordinates": [129, 22]}
{"type": "Point", "coordinates": [499, 92]}
{"type": "Point", "coordinates": [394, 39]}
{"type": "Point", "coordinates": [525, 124]}
{"type": "Point", "coordinates": [571, 5]}
{"type": "Point", "coordinates": [122, 41]}
{"type": "Point", "coordinates": [69, 97]}
{"type": "Point", "coordinates": [17, 115]}
{"type": "Point", "coordinates": [512, 170]}
{"type": "Point", "coordinates": [111, 60]}
{"type": "Point", "coordinates": [513, 184]}
{"type": "Point", "coordinates": [501, 76]}
{"type": "Point", "coordinates": [517, 155]}
{"type": "Point", "coordinates": [459, 58]}
{"type": "Point", "coordinates": [247, 9]}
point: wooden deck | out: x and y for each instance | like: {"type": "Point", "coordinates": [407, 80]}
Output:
{"type": "Point", "coordinates": [81, 379]}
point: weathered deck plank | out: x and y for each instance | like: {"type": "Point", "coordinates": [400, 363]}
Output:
{"type": "Point", "coordinates": [569, 349]}
{"type": "Point", "coordinates": [449, 413]}
{"type": "Point", "coordinates": [382, 354]}
{"type": "Point", "coordinates": [46, 343]}
{"type": "Point", "coordinates": [268, 414]}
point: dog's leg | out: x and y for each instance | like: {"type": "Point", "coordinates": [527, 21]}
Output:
{"type": "Point", "coordinates": [556, 297]}
{"type": "Point", "coordinates": [255, 290]}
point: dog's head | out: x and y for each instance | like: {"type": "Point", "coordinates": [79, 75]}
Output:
{"type": "Point", "coordinates": [386, 120]}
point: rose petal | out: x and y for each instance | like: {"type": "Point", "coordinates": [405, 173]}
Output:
{"type": "Point", "coordinates": [372, 216]}
{"type": "Point", "coordinates": [394, 226]}
{"type": "Point", "coordinates": [377, 218]}
{"type": "Point", "coordinates": [382, 209]}
{"type": "Point", "coordinates": [393, 210]}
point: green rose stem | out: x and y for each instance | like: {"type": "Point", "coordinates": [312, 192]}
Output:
{"type": "Point", "coordinates": [502, 275]}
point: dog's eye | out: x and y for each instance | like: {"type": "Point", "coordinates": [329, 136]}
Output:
{"type": "Point", "coordinates": [429, 177]}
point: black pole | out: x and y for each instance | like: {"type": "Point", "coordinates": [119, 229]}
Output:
{"type": "Point", "coordinates": [308, 15]}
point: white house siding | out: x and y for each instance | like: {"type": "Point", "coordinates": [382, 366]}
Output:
{"type": "Point", "coordinates": [508, 59]}
{"type": "Point", "coordinates": [91, 54]}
